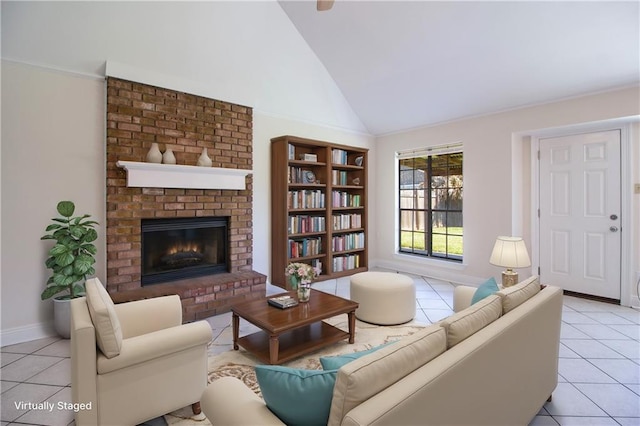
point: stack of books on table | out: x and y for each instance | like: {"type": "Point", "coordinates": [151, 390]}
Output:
{"type": "Point", "coordinates": [283, 302]}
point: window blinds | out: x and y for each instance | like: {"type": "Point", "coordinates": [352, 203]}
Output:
{"type": "Point", "coordinates": [432, 150]}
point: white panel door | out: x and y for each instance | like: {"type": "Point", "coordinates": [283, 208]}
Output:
{"type": "Point", "coordinates": [580, 231]}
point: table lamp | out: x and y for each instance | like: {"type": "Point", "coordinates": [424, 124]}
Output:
{"type": "Point", "coordinates": [510, 252]}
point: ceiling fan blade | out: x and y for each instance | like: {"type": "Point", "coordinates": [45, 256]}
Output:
{"type": "Point", "coordinates": [324, 5]}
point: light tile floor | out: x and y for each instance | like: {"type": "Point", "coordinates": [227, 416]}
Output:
{"type": "Point", "coordinates": [599, 367]}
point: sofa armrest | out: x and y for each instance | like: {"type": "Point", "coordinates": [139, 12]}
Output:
{"type": "Point", "coordinates": [149, 315]}
{"type": "Point", "coordinates": [227, 401]}
{"type": "Point", "coordinates": [154, 345]}
{"type": "Point", "coordinates": [462, 296]}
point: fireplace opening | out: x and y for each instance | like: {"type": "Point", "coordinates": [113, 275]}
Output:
{"type": "Point", "coordinates": [175, 249]}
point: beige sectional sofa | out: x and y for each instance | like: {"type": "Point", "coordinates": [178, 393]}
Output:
{"type": "Point", "coordinates": [492, 363]}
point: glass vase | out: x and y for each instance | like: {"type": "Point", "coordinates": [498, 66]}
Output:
{"type": "Point", "coordinates": [304, 292]}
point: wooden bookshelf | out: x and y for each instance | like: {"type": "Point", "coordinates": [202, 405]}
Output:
{"type": "Point", "coordinates": [318, 207]}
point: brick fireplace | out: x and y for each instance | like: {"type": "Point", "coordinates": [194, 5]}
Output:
{"type": "Point", "coordinates": [137, 116]}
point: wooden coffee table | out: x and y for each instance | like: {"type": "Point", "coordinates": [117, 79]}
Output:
{"type": "Point", "coordinates": [289, 333]}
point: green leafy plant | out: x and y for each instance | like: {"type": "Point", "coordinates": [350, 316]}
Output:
{"type": "Point", "coordinates": [71, 259]}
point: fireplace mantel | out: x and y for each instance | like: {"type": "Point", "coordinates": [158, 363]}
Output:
{"type": "Point", "coordinates": [152, 175]}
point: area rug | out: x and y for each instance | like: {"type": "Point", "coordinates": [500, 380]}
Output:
{"type": "Point", "coordinates": [240, 363]}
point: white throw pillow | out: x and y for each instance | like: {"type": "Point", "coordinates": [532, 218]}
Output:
{"type": "Point", "coordinates": [103, 316]}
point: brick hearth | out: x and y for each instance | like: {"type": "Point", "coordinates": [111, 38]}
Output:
{"type": "Point", "coordinates": [138, 115]}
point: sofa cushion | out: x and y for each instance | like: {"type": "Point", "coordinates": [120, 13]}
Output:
{"type": "Point", "coordinates": [463, 324]}
{"type": "Point", "coordinates": [297, 397]}
{"type": "Point", "coordinates": [485, 289]}
{"type": "Point", "coordinates": [514, 296]}
{"type": "Point", "coordinates": [104, 318]}
{"type": "Point", "coordinates": [336, 362]}
{"type": "Point", "coordinates": [364, 377]}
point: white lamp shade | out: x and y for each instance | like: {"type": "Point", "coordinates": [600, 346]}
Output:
{"type": "Point", "coordinates": [510, 252]}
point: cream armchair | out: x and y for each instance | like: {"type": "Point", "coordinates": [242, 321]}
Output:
{"type": "Point", "coordinates": [134, 361]}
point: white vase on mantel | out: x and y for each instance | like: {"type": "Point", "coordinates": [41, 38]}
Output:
{"type": "Point", "coordinates": [154, 155]}
{"type": "Point", "coordinates": [204, 160]}
{"type": "Point", "coordinates": [168, 157]}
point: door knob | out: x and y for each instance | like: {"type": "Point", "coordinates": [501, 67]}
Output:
{"type": "Point", "coordinates": [613, 229]}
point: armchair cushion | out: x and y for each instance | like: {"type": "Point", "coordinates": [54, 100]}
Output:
{"type": "Point", "coordinates": [104, 318]}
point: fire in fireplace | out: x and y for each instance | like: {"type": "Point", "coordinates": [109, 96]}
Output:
{"type": "Point", "coordinates": [175, 249]}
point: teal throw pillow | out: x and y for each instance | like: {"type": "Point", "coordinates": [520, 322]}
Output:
{"type": "Point", "coordinates": [486, 289]}
{"type": "Point", "coordinates": [297, 397]}
{"type": "Point", "coordinates": [335, 362]}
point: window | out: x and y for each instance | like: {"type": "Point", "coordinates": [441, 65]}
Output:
{"type": "Point", "coordinates": [430, 202]}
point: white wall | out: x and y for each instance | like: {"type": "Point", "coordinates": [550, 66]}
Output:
{"type": "Point", "coordinates": [491, 147]}
{"type": "Point", "coordinates": [53, 148]}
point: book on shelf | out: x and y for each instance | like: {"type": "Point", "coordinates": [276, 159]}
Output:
{"type": "Point", "coordinates": [317, 264]}
{"type": "Point", "coordinates": [339, 177]}
{"type": "Point", "coordinates": [303, 224]}
{"type": "Point", "coordinates": [300, 175]}
{"type": "Point", "coordinates": [338, 156]}
{"type": "Point", "coordinates": [347, 221]}
{"type": "Point", "coordinates": [305, 199]}
{"type": "Point", "coordinates": [282, 302]}
{"type": "Point", "coordinates": [345, 263]}
{"type": "Point", "coordinates": [305, 247]}
{"type": "Point", "coordinates": [348, 242]}
{"type": "Point", "coordinates": [345, 199]}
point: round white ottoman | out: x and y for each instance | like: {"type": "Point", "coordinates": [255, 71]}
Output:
{"type": "Point", "coordinates": [384, 298]}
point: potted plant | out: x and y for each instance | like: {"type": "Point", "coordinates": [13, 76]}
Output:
{"type": "Point", "coordinates": [71, 259]}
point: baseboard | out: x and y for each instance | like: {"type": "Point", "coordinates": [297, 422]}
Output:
{"type": "Point", "coordinates": [26, 333]}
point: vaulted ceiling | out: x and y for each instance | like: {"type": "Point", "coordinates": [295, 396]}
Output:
{"type": "Point", "coordinates": [410, 64]}
{"type": "Point", "coordinates": [376, 67]}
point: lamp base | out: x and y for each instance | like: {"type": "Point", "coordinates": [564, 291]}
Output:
{"type": "Point", "coordinates": [509, 278]}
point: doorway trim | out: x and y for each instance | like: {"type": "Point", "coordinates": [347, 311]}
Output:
{"type": "Point", "coordinates": [627, 278]}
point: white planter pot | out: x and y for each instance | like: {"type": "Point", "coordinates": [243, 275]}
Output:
{"type": "Point", "coordinates": [62, 317]}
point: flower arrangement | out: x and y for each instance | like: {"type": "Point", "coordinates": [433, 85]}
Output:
{"type": "Point", "coordinates": [302, 273]}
